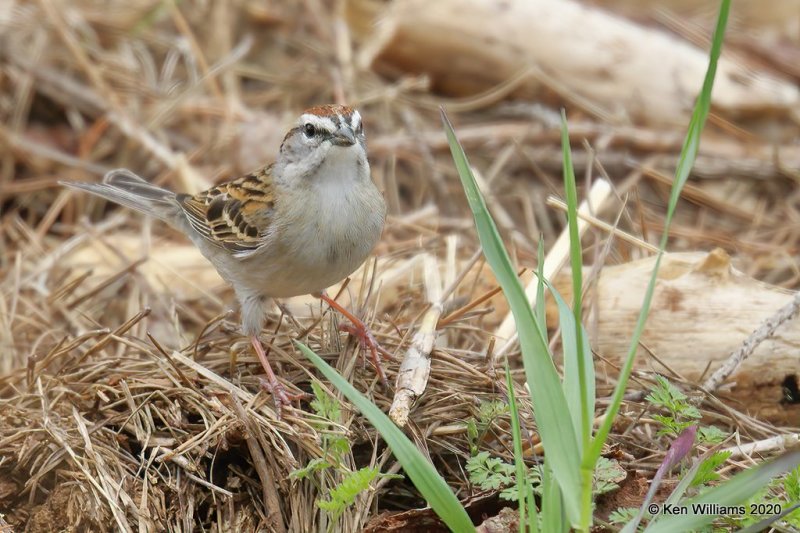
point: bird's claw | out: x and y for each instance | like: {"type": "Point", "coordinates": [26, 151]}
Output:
{"type": "Point", "coordinates": [370, 344]}
{"type": "Point", "coordinates": [280, 396]}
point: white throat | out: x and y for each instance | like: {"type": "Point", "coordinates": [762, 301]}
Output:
{"type": "Point", "coordinates": [326, 167]}
{"type": "Point", "coordinates": [342, 168]}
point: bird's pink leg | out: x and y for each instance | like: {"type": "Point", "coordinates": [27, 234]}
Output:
{"type": "Point", "coordinates": [275, 387]}
{"type": "Point", "coordinates": [360, 330]}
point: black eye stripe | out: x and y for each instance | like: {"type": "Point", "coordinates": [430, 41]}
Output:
{"type": "Point", "coordinates": [323, 127]}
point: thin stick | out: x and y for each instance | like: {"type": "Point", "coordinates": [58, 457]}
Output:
{"type": "Point", "coordinates": [779, 442]}
{"type": "Point", "coordinates": [763, 332]}
{"type": "Point", "coordinates": [555, 260]}
{"type": "Point", "coordinates": [412, 377]}
{"type": "Point", "coordinates": [105, 283]}
{"type": "Point", "coordinates": [605, 226]}
{"type": "Point", "coordinates": [458, 313]}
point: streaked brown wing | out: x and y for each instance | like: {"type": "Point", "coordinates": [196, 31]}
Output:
{"type": "Point", "coordinates": [235, 215]}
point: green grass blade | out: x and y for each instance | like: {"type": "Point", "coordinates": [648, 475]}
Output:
{"type": "Point", "coordinates": [764, 524]}
{"type": "Point", "coordinates": [579, 401]}
{"type": "Point", "coordinates": [683, 485]}
{"type": "Point", "coordinates": [424, 476]}
{"type": "Point", "coordinates": [673, 498]}
{"type": "Point", "coordinates": [552, 503]}
{"type": "Point", "coordinates": [541, 310]}
{"type": "Point", "coordinates": [533, 514]}
{"type": "Point", "coordinates": [549, 404]}
{"type": "Point", "coordinates": [523, 489]}
{"type": "Point", "coordinates": [576, 373]}
{"type": "Point", "coordinates": [682, 172]}
{"type": "Point", "coordinates": [735, 491]}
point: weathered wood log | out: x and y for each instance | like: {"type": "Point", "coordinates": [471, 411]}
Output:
{"type": "Point", "coordinates": [702, 311]}
{"type": "Point", "coordinates": [608, 65]}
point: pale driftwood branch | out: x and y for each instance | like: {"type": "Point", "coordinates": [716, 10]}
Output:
{"type": "Point", "coordinates": [412, 377]}
{"type": "Point", "coordinates": [765, 330]}
{"type": "Point", "coordinates": [780, 442]}
{"type": "Point", "coordinates": [648, 75]}
{"type": "Point", "coordinates": [702, 311]}
{"type": "Point", "coordinates": [556, 258]}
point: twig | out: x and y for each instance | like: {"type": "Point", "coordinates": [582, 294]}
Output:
{"type": "Point", "coordinates": [605, 226]}
{"type": "Point", "coordinates": [121, 330]}
{"type": "Point", "coordinates": [110, 280]}
{"type": "Point", "coordinates": [765, 330]}
{"type": "Point", "coordinates": [780, 442]}
{"type": "Point", "coordinates": [698, 196]}
{"type": "Point", "coordinates": [412, 377]}
{"type": "Point", "coordinates": [208, 485]}
{"type": "Point", "coordinates": [463, 310]}
{"type": "Point", "coordinates": [31, 148]}
{"type": "Point", "coordinates": [555, 260]}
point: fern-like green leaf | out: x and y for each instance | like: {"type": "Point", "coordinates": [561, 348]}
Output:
{"type": "Point", "coordinates": [344, 494]}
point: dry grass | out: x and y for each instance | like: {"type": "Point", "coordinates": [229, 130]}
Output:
{"type": "Point", "coordinates": [129, 400]}
{"type": "Point", "coordinates": [150, 402]}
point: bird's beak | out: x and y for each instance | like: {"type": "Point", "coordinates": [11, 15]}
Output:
{"type": "Point", "coordinates": [344, 137]}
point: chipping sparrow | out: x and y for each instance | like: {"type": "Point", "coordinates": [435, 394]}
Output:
{"type": "Point", "coordinates": [291, 228]}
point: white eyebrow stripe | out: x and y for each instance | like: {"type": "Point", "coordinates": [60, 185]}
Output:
{"type": "Point", "coordinates": [356, 120]}
{"type": "Point", "coordinates": [323, 123]}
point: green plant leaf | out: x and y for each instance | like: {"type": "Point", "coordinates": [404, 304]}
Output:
{"type": "Point", "coordinates": [533, 513]}
{"type": "Point", "coordinates": [424, 476]}
{"type": "Point", "coordinates": [667, 396]}
{"type": "Point", "coordinates": [707, 471]}
{"type": "Point", "coordinates": [711, 435]}
{"type": "Point", "coordinates": [541, 314]}
{"type": "Point", "coordinates": [549, 404]}
{"type": "Point", "coordinates": [578, 364]}
{"type": "Point", "coordinates": [606, 475]}
{"type": "Point", "coordinates": [324, 404]}
{"type": "Point", "coordinates": [489, 473]}
{"type": "Point", "coordinates": [572, 367]}
{"type": "Point", "coordinates": [685, 161]}
{"type": "Point", "coordinates": [622, 515]}
{"type": "Point", "coordinates": [791, 485]}
{"type": "Point", "coordinates": [765, 523]}
{"type": "Point", "coordinates": [524, 492]}
{"type": "Point", "coordinates": [344, 493]}
{"type": "Point", "coordinates": [553, 515]}
{"type": "Point", "coordinates": [314, 465]}
{"type": "Point", "coordinates": [733, 492]}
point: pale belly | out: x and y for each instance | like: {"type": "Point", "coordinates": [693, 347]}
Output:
{"type": "Point", "coordinates": [316, 267]}
{"type": "Point", "coordinates": [317, 248]}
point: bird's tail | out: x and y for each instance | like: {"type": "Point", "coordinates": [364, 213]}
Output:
{"type": "Point", "coordinates": [126, 188]}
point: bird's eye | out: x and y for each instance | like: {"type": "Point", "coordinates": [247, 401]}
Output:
{"type": "Point", "coordinates": [309, 130]}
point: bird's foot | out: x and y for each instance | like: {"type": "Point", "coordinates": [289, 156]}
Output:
{"type": "Point", "coordinates": [370, 346]}
{"type": "Point", "coordinates": [358, 329]}
{"type": "Point", "coordinates": [280, 396]}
